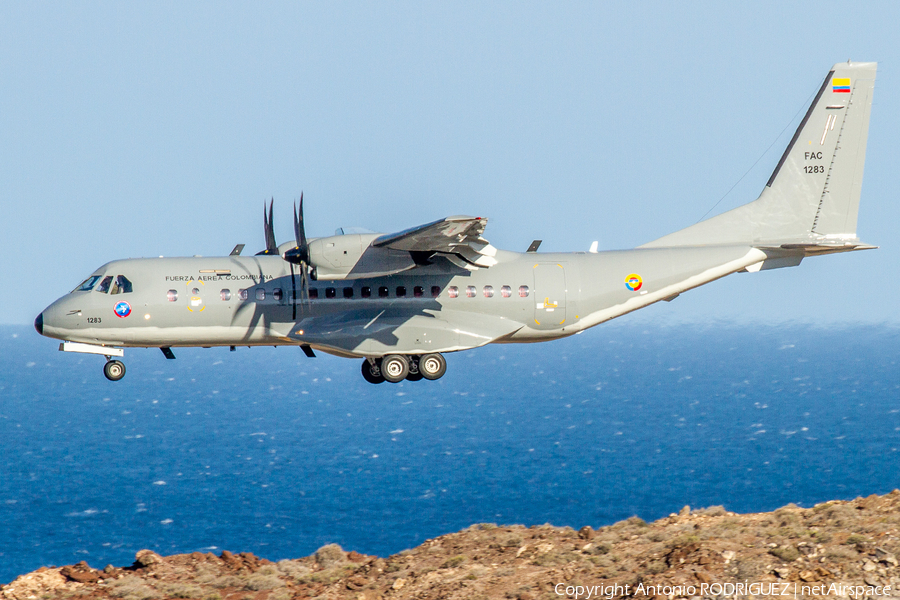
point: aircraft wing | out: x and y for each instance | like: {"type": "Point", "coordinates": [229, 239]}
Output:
{"type": "Point", "coordinates": [456, 238]}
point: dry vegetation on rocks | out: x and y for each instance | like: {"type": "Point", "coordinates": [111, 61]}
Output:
{"type": "Point", "coordinates": [851, 543]}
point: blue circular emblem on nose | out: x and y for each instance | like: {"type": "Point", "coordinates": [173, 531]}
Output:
{"type": "Point", "coordinates": [122, 309]}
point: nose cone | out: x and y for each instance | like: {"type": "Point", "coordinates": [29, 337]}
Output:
{"type": "Point", "coordinates": [39, 324]}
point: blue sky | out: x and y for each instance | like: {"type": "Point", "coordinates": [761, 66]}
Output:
{"type": "Point", "coordinates": [138, 129]}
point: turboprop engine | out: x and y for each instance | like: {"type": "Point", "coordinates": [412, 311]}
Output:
{"type": "Point", "coordinates": [343, 256]}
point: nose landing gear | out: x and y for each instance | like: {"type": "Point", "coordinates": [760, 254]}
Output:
{"type": "Point", "coordinates": [114, 369]}
{"type": "Point", "coordinates": [397, 367]}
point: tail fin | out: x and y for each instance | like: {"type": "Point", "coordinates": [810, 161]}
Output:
{"type": "Point", "coordinates": [812, 197]}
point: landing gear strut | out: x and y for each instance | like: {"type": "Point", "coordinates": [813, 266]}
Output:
{"type": "Point", "coordinates": [414, 373]}
{"type": "Point", "coordinates": [397, 367]}
{"type": "Point", "coordinates": [371, 370]}
{"type": "Point", "coordinates": [114, 370]}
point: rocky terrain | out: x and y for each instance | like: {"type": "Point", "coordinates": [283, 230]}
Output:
{"type": "Point", "coordinates": [836, 550]}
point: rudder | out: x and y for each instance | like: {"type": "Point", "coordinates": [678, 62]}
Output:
{"type": "Point", "coordinates": [835, 132]}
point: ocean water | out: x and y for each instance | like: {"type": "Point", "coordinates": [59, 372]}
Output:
{"type": "Point", "coordinates": [267, 451]}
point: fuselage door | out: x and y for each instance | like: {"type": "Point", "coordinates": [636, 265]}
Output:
{"type": "Point", "coordinates": [549, 295]}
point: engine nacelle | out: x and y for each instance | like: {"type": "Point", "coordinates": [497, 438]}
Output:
{"type": "Point", "coordinates": [352, 256]}
{"type": "Point", "coordinates": [334, 257]}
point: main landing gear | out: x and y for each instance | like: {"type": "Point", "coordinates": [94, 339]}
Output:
{"type": "Point", "coordinates": [397, 367]}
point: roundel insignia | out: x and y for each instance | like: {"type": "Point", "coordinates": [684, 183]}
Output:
{"type": "Point", "coordinates": [122, 309]}
{"type": "Point", "coordinates": [634, 282]}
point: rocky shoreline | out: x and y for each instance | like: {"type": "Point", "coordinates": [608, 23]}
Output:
{"type": "Point", "coordinates": [837, 549]}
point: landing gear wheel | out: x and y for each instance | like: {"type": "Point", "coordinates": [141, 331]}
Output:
{"type": "Point", "coordinates": [432, 366]}
{"type": "Point", "coordinates": [114, 370]}
{"type": "Point", "coordinates": [371, 372]}
{"type": "Point", "coordinates": [394, 368]}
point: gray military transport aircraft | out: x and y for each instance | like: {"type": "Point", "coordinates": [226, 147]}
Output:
{"type": "Point", "coordinates": [400, 300]}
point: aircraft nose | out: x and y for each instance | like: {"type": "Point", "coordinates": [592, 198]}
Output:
{"type": "Point", "coordinates": [39, 324]}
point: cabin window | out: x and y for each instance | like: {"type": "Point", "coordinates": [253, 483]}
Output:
{"type": "Point", "coordinates": [104, 285]}
{"type": "Point", "coordinates": [453, 291]}
{"type": "Point", "coordinates": [225, 295]}
{"type": "Point", "coordinates": [172, 295]}
{"type": "Point", "coordinates": [260, 294]}
{"type": "Point", "coordinates": [348, 292]}
{"type": "Point", "coordinates": [488, 291]}
{"type": "Point", "coordinates": [313, 293]}
{"type": "Point", "coordinates": [366, 292]}
{"type": "Point", "coordinates": [242, 294]}
{"type": "Point", "coordinates": [277, 294]}
{"type": "Point", "coordinates": [523, 291]}
{"type": "Point", "coordinates": [195, 291]}
{"type": "Point", "coordinates": [401, 291]}
{"type": "Point", "coordinates": [506, 291]}
{"type": "Point", "coordinates": [383, 292]}
{"type": "Point", "coordinates": [470, 291]}
{"type": "Point", "coordinates": [435, 291]}
{"type": "Point", "coordinates": [121, 285]}
{"type": "Point", "coordinates": [330, 292]}
{"type": "Point", "coordinates": [88, 284]}
{"type": "Point", "coordinates": [418, 291]}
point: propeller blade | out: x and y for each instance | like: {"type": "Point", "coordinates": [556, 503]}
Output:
{"type": "Point", "coordinates": [300, 230]}
{"type": "Point", "coordinates": [299, 254]}
{"type": "Point", "coordinates": [271, 246]}
{"type": "Point", "coordinates": [304, 284]}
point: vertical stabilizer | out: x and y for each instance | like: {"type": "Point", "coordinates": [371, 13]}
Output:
{"type": "Point", "coordinates": [813, 194]}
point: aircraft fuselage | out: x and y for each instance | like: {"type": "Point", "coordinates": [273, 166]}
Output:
{"type": "Point", "coordinates": [257, 300]}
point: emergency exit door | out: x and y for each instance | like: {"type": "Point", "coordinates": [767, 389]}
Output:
{"type": "Point", "coordinates": [549, 295]}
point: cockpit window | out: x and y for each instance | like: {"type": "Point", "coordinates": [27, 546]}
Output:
{"type": "Point", "coordinates": [104, 285]}
{"type": "Point", "coordinates": [121, 285]}
{"type": "Point", "coordinates": [88, 284]}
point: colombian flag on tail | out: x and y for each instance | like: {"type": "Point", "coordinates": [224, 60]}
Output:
{"type": "Point", "coordinates": [840, 85]}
